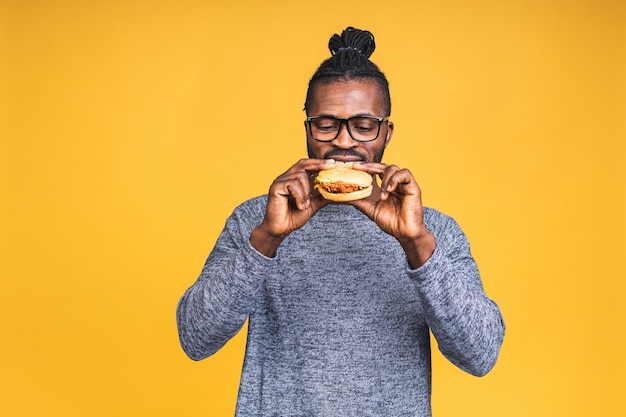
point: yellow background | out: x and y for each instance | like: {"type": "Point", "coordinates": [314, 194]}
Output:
{"type": "Point", "coordinates": [118, 119]}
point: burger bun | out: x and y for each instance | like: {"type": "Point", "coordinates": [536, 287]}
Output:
{"type": "Point", "coordinates": [343, 172]}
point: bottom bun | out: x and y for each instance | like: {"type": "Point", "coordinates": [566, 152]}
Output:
{"type": "Point", "coordinates": [342, 197]}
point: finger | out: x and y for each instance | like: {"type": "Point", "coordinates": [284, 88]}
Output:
{"type": "Point", "coordinates": [401, 181]}
{"type": "Point", "coordinates": [298, 192]}
{"type": "Point", "coordinates": [371, 167]}
{"type": "Point", "coordinates": [311, 164]}
{"type": "Point", "coordinates": [387, 183]}
{"type": "Point", "coordinates": [300, 189]}
{"type": "Point", "coordinates": [282, 185]}
{"type": "Point", "coordinates": [303, 189]}
{"type": "Point", "coordinates": [289, 176]}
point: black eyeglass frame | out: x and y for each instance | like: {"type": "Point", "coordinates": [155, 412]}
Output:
{"type": "Point", "coordinates": [347, 123]}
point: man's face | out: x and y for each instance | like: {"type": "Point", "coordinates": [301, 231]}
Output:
{"type": "Point", "coordinates": [344, 100]}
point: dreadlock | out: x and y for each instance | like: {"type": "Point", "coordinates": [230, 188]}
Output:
{"type": "Point", "coordinates": [349, 61]}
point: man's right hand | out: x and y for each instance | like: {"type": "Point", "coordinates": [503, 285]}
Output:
{"type": "Point", "coordinates": [290, 205]}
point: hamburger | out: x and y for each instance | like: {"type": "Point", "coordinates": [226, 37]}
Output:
{"type": "Point", "coordinates": [342, 183]}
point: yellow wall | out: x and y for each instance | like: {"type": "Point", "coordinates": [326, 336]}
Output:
{"type": "Point", "coordinates": [116, 118]}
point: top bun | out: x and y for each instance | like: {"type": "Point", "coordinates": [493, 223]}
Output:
{"type": "Point", "coordinates": [343, 172]}
{"type": "Point", "coordinates": [361, 41]}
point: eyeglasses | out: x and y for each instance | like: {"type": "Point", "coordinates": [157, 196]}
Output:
{"type": "Point", "coordinates": [360, 128]}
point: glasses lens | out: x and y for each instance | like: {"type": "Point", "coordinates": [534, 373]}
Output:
{"type": "Point", "coordinates": [363, 129]}
{"type": "Point", "coordinates": [325, 128]}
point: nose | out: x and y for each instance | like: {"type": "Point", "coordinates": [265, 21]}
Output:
{"type": "Point", "coordinates": [343, 139]}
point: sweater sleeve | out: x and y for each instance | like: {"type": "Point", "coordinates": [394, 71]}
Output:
{"type": "Point", "coordinates": [467, 325]}
{"type": "Point", "coordinates": [216, 306]}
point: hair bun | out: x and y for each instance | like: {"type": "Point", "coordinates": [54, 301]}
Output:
{"type": "Point", "coordinates": [361, 41]}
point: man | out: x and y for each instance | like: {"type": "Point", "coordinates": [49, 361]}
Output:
{"type": "Point", "coordinates": [340, 298]}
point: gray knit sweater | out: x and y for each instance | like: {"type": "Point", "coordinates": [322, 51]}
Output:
{"type": "Point", "coordinates": [338, 322]}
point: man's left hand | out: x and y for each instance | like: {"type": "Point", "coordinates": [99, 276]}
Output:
{"type": "Point", "coordinates": [398, 210]}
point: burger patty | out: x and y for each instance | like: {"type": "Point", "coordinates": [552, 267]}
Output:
{"type": "Point", "coordinates": [339, 187]}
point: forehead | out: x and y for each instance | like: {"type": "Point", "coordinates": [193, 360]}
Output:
{"type": "Point", "coordinates": [347, 98]}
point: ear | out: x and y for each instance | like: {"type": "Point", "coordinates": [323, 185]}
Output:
{"type": "Point", "coordinates": [389, 133]}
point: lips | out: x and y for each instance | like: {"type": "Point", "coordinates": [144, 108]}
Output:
{"type": "Point", "coordinates": [344, 159]}
{"type": "Point", "coordinates": [344, 156]}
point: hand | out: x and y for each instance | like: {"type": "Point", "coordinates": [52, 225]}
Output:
{"type": "Point", "coordinates": [290, 205]}
{"type": "Point", "coordinates": [398, 210]}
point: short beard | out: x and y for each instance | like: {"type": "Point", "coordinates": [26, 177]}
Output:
{"type": "Point", "coordinates": [378, 157]}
